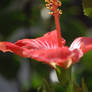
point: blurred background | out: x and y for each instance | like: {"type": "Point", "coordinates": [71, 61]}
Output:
{"type": "Point", "coordinates": [29, 19]}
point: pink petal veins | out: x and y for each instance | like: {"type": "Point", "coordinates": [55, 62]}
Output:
{"type": "Point", "coordinates": [80, 46]}
{"type": "Point", "coordinates": [45, 49]}
{"type": "Point", "coordinates": [82, 43]}
{"type": "Point", "coordinates": [49, 40]}
{"type": "Point", "coordinates": [59, 56]}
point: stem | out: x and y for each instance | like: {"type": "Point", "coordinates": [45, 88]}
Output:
{"type": "Point", "coordinates": [59, 38]}
{"type": "Point", "coordinates": [65, 79]}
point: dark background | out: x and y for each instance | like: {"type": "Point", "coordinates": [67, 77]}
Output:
{"type": "Point", "coordinates": [29, 19]}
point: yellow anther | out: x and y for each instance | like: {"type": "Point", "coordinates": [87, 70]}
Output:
{"type": "Point", "coordinates": [47, 1]}
{"type": "Point", "coordinates": [60, 11]}
{"type": "Point", "coordinates": [53, 6]}
{"type": "Point", "coordinates": [52, 1]}
{"type": "Point", "coordinates": [47, 5]}
{"type": "Point", "coordinates": [50, 13]}
{"type": "Point", "coordinates": [50, 8]}
{"type": "Point", "coordinates": [59, 3]}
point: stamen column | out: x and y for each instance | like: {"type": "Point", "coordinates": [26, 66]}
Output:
{"type": "Point", "coordinates": [53, 6]}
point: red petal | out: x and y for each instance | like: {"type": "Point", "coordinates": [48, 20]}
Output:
{"type": "Point", "coordinates": [84, 44]}
{"type": "Point", "coordinates": [10, 47]}
{"type": "Point", "coordinates": [49, 40]}
{"type": "Point", "coordinates": [43, 49]}
{"type": "Point", "coordinates": [59, 56]}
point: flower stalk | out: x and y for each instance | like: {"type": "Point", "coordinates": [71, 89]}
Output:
{"type": "Point", "coordinates": [65, 78]}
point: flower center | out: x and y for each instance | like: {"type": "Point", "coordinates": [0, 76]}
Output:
{"type": "Point", "coordinates": [55, 11]}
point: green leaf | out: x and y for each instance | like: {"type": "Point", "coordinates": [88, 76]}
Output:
{"type": "Point", "coordinates": [87, 7]}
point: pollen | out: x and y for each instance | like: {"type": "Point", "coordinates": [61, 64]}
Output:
{"type": "Point", "coordinates": [53, 6]}
{"type": "Point", "coordinates": [50, 13]}
{"type": "Point", "coordinates": [46, 0]}
{"type": "Point", "coordinates": [58, 3]}
{"type": "Point", "coordinates": [60, 11]}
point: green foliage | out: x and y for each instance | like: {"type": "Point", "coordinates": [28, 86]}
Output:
{"type": "Point", "coordinates": [87, 60]}
{"type": "Point", "coordinates": [64, 77]}
{"type": "Point", "coordinates": [83, 87]}
{"type": "Point", "coordinates": [9, 21]}
{"type": "Point", "coordinates": [4, 4]}
{"type": "Point", "coordinates": [87, 7]}
{"type": "Point", "coordinates": [8, 63]}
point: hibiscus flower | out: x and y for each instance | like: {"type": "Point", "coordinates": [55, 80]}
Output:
{"type": "Point", "coordinates": [50, 48]}
{"type": "Point", "coordinates": [46, 49]}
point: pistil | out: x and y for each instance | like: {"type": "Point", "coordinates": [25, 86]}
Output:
{"type": "Point", "coordinates": [59, 38]}
{"type": "Point", "coordinates": [53, 6]}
